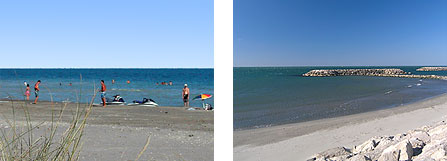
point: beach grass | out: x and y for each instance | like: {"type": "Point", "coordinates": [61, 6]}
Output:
{"type": "Point", "coordinates": [19, 142]}
{"type": "Point", "coordinates": [31, 140]}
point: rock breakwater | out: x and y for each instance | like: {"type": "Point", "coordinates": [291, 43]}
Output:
{"type": "Point", "coordinates": [369, 72]}
{"type": "Point", "coordinates": [432, 69]}
{"type": "Point", "coordinates": [347, 72]}
{"type": "Point", "coordinates": [425, 143]}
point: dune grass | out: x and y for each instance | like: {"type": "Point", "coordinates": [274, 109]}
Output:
{"type": "Point", "coordinates": [18, 142]}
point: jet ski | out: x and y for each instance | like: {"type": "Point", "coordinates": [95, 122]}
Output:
{"type": "Point", "coordinates": [116, 100]}
{"type": "Point", "coordinates": [146, 102]}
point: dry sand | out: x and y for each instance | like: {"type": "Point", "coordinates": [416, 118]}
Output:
{"type": "Point", "coordinates": [302, 140]}
{"type": "Point", "coordinates": [120, 132]}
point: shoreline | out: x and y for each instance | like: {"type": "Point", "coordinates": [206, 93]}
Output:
{"type": "Point", "coordinates": [132, 116]}
{"type": "Point", "coordinates": [304, 137]}
{"type": "Point", "coordinates": [335, 117]}
{"type": "Point", "coordinates": [119, 132]}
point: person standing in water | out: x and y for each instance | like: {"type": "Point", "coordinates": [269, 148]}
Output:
{"type": "Point", "coordinates": [185, 95]}
{"type": "Point", "coordinates": [103, 93]}
{"type": "Point", "coordinates": [36, 91]}
{"type": "Point", "coordinates": [27, 92]}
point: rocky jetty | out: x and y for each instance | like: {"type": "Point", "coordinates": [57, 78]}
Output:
{"type": "Point", "coordinates": [432, 69]}
{"type": "Point", "coordinates": [417, 76]}
{"type": "Point", "coordinates": [425, 143]}
{"type": "Point", "coordinates": [347, 72]}
{"type": "Point", "coordinates": [369, 72]}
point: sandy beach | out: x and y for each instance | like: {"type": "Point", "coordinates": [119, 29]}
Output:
{"type": "Point", "coordinates": [302, 140]}
{"type": "Point", "coordinates": [120, 132]}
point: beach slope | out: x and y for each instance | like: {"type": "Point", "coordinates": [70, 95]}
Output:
{"type": "Point", "coordinates": [120, 132]}
{"type": "Point", "coordinates": [301, 141]}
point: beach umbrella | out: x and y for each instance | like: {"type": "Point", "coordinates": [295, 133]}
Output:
{"type": "Point", "coordinates": [203, 97]}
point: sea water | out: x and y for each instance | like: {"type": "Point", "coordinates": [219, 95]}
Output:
{"type": "Point", "coordinates": [56, 84]}
{"type": "Point", "coordinates": [266, 96]}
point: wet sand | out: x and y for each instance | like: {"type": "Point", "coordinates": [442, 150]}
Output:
{"type": "Point", "coordinates": [120, 132]}
{"type": "Point", "coordinates": [301, 140]}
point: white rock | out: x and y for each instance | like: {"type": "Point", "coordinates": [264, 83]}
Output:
{"type": "Point", "coordinates": [331, 153]}
{"type": "Point", "coordinates": [437, 130]}
{"type": "Point", "coordinates": [359, 158]}
{"type": "Point", "coordinates": [439, 154]}
{"type": "Point", "coordinates": [366, 146]}
{"type": "Point", "coordinates": [400, 151]}
{"type": "Point", "coordinates": [421, 135]}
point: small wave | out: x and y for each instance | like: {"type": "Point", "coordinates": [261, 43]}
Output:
{"type": "Point", "coordinates": [418, 84]}
{"type": "Point", "coordinates": [263, 126]}
{"type": "Point", "coordinates": [409, 86]}
{"type": "Point", "coordinates": [388, 92]}
{"type": "Point", "coordinates": [132, 90]}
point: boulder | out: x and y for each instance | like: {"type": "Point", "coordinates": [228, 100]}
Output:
{"type": "Point", "coordinates": [359, 158]}
{"type": "Point", "coordinates": [437, 130]}
{"type": "Point", "coordinates": [366, 146]}
{"type": "Point", "coordinates": [435, 150]}
{"type": "Point", "coordinates": [439, 154]}
{"type": "Point", "coordinates": [401, 151]}
{"type": "Point", "coordinates": [421, 135]}
{"type": "Point", "coordinates": [331, 153]}
{"type": "Point", "coordinates": [417, 145]}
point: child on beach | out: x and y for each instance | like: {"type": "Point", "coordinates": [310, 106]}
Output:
{"type": "Point", "coordinates": [27, 93]}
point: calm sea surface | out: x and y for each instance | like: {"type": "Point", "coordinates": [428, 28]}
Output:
{"type": "Point", "coordinates": [266, 96]}
{"type": "Point", "coordinates": [55, 82]}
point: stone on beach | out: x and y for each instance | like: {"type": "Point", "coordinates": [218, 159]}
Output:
{"type": "Point", "coordinates": [359, 158]}
{"type": "Point", "coordinates": [334, 152]}
{"type": "Point", "coordinates": [366, 146]}
{"type": "Point", "coordinates": [401, 151]}
{"type": "Point", "coordinates": [425, 143]}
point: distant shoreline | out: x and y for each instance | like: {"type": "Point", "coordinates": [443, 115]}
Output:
{"type": "Point", "coordinates": [110, 68]}
{"type": "Point", "coordinates": [323, 66]}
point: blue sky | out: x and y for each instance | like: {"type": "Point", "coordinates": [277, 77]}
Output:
{"type": "Point", "coordinates": [106, 33]}
{"type": "Point", "coordinates": [340, 32]}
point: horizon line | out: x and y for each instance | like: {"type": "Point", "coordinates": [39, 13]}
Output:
{"type": "Point", "coordinates": [107, 68]}
{"type": "Point", "coordinates": [345, 66]}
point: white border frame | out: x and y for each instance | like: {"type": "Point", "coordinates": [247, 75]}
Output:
{"type": "Point", "coordinates": [223, 80]}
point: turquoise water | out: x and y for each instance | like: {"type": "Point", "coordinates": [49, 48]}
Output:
{"type": "Point", "coordinates": [55, 83]}
{"type": "Point", "coordinates": [266, 96]}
